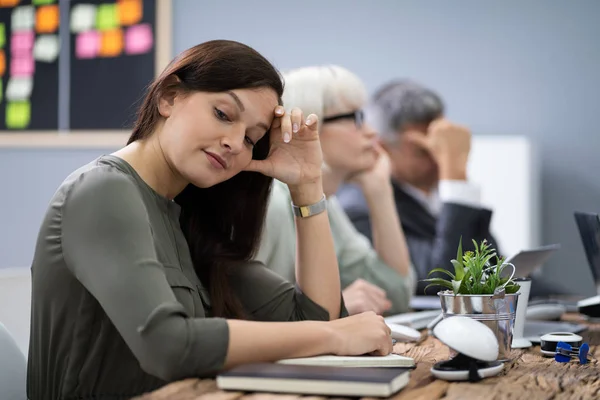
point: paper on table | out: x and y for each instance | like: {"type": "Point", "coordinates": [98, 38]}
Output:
{"type": "Point", "coordinates": [391, 360]}
{"type": "Point", "coordinates": [19, 88]}
{"type": "Point", "coordinates": [83, 18]}
{"type": "Point", "coordinates": [46, 48]}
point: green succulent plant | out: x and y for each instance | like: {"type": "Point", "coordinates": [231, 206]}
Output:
{"type": "Point", "coordinates": [475, 273]}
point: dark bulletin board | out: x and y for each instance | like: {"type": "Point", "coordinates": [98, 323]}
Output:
{"type": "Point", "coordinates": [29, 47]}
{"type": "Point", "coordinates": [113, 51]}
{"type": "Point", "coordinates": [113, 55]}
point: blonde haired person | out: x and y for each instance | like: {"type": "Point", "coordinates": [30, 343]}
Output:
{"type": "Point", "coordinates": [376, 277]}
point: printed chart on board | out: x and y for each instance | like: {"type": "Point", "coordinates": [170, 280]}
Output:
{"type": "Point", "coordinates": [111, 49]}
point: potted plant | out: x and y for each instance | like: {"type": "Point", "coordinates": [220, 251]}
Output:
{"type": "Point", "coordinates": [481, 289]}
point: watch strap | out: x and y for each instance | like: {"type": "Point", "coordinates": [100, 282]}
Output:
{"type": "Point", "coordinates": [310, 210]}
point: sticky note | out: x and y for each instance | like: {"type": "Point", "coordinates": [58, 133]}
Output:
{"type": "Point", "coordinates": [2, 35]}
{"type": "Point", "coordinates": [111, 44]}
{"type": "Point", "coordinates": [46, 48]}
{"type": "Point", "coordinates": [22, 18]}
{"type": "Point", "coordinates": [83, 18]}
{"type": "Point", "coordinates": [18, 114]}
{"type": "Point", "coordinates": [106, 17]}
{"type": "Point", "coordinates": [43, 2]}
{"type": "Point", "coordinates": [19, 88]}
{"type": "Point", "coordinates": [46, 19]}
{"type": "Point", "coordinates": [21, 43]}
{"type": "Point", "coordinates": [87, 44]}
{"type": "Point", "coordinates": [2, 63]}
{"type": "Point", "coordinates": [138, 39]}
{"type": "Point", "coordinates": [22, 66]}
{"type": "Point", "coordinates": [129, 11]}
{"type": "Point", "coordinates": [9, 3]}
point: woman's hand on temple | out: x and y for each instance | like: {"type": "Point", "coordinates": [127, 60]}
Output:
{"type": "Point", "coordinates": [295, 157]}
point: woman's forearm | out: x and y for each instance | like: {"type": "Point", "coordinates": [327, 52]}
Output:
{"type": "Point", "coordinates": [388, 237]}
{"type": "Point", "coordinates": [271, 341]}
{"type": "Point", "coordinates": [317, 271]}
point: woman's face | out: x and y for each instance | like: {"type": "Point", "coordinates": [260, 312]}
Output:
{"type": "Point", "coordinates": [347, 141]}
{"type": "Point", "coordinates": [209, 137]}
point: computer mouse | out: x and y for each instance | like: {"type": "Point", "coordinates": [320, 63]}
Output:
{"type": "Point", "coordinates": [545, 312]}
{"type": "Point", "coordinates": [403, 333]}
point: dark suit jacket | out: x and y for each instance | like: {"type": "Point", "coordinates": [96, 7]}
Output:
{"type": "Point", "coordinates": [432, 241]}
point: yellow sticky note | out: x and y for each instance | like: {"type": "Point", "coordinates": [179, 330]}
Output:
{"type": "Point", "coordinates": [18, 114]}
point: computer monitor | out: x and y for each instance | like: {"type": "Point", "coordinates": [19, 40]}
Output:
{"type": "Point", "coordinates": [589, 230]}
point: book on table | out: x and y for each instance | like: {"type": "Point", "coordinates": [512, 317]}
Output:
{"type": "Point", "coordinates": [315, 379]}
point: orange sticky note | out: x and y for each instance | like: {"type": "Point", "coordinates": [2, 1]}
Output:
{"type": "Point", "coordinates": [111, 43]}
{"type": "Point", "coordinates": [129, 11]}
{"type": "Point", "coordinates": [46, 19]}
{"type": "Point", "coordinates": [9, 3]}
{"type": "Point", "coordinates": [2, 63]}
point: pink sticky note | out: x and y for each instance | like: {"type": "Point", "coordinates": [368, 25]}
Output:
{"type": "Point", "coordinates": [138, 39]}
{"type": "Point", "coordinates": [22, 65]}
{"type": "Point", "coordinates": [87, 44]}
{"type": "Point", "coordinates": [21, 43]}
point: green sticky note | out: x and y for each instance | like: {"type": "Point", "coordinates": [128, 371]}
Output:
{"type": "Point", "coordinates": [107, 17]}
{"type": "Point", "coordinates": [18, 114]}
{"type": "Point", "coordinates": [43, 2]}
{"type": "Point", "coordinates": [2, 35]}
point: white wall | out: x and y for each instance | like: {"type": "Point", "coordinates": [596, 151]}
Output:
{"type": "Point", "coordinates": [15, 303]}
{"type": "Point", "coordinates": [507, 169]}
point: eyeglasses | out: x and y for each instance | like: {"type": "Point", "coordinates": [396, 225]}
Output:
{"type": "Point", "coordinates": [357, 116]}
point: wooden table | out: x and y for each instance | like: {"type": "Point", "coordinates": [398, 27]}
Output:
{"type": "Point", "coordinates": [529, 376]}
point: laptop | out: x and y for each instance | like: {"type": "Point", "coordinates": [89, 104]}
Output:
{"type": "Point", "coordinates": [527, 262]}
{"type": "Point", "coordinates": [588, 225]}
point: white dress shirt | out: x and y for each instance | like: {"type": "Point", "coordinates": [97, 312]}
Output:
{"type": "Point", "coordinates": [448, 191]}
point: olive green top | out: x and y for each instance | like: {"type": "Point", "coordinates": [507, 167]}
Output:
{"type": "Point", "coordinates": [117, 309]}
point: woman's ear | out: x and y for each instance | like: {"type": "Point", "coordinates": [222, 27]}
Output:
{"type": "Point", "coordinates": [169, 90]}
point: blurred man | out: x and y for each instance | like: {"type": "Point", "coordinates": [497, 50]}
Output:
{"type": "Point", "coordinates": [436, 203]}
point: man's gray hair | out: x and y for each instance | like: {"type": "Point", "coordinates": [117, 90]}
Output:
{"type": "Point", "coordinates": [400, 103]}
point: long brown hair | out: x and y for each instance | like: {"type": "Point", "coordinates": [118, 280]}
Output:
{"type": "Point", "coordinates": [223, 223]}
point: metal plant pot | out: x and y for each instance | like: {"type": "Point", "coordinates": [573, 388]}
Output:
{"type": "Point", "coordinates": [497, 312]}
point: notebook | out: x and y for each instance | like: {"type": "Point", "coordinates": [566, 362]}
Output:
{"type": "Point", "coordinates": [390, 361]}
{"type": "Point", "coordinates": [314, 380]}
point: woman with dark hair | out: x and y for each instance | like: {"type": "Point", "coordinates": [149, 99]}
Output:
{"type": "Point", "coordinates": [142, 271]}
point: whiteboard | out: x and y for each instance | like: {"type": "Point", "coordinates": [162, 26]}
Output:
{"type": "Point", "coordinates": [507, 170]}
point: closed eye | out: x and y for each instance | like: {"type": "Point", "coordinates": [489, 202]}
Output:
{"type": "Point", "coordinates": [249, 141]}
{"type": "Point", "coordinates": [221, 115]}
